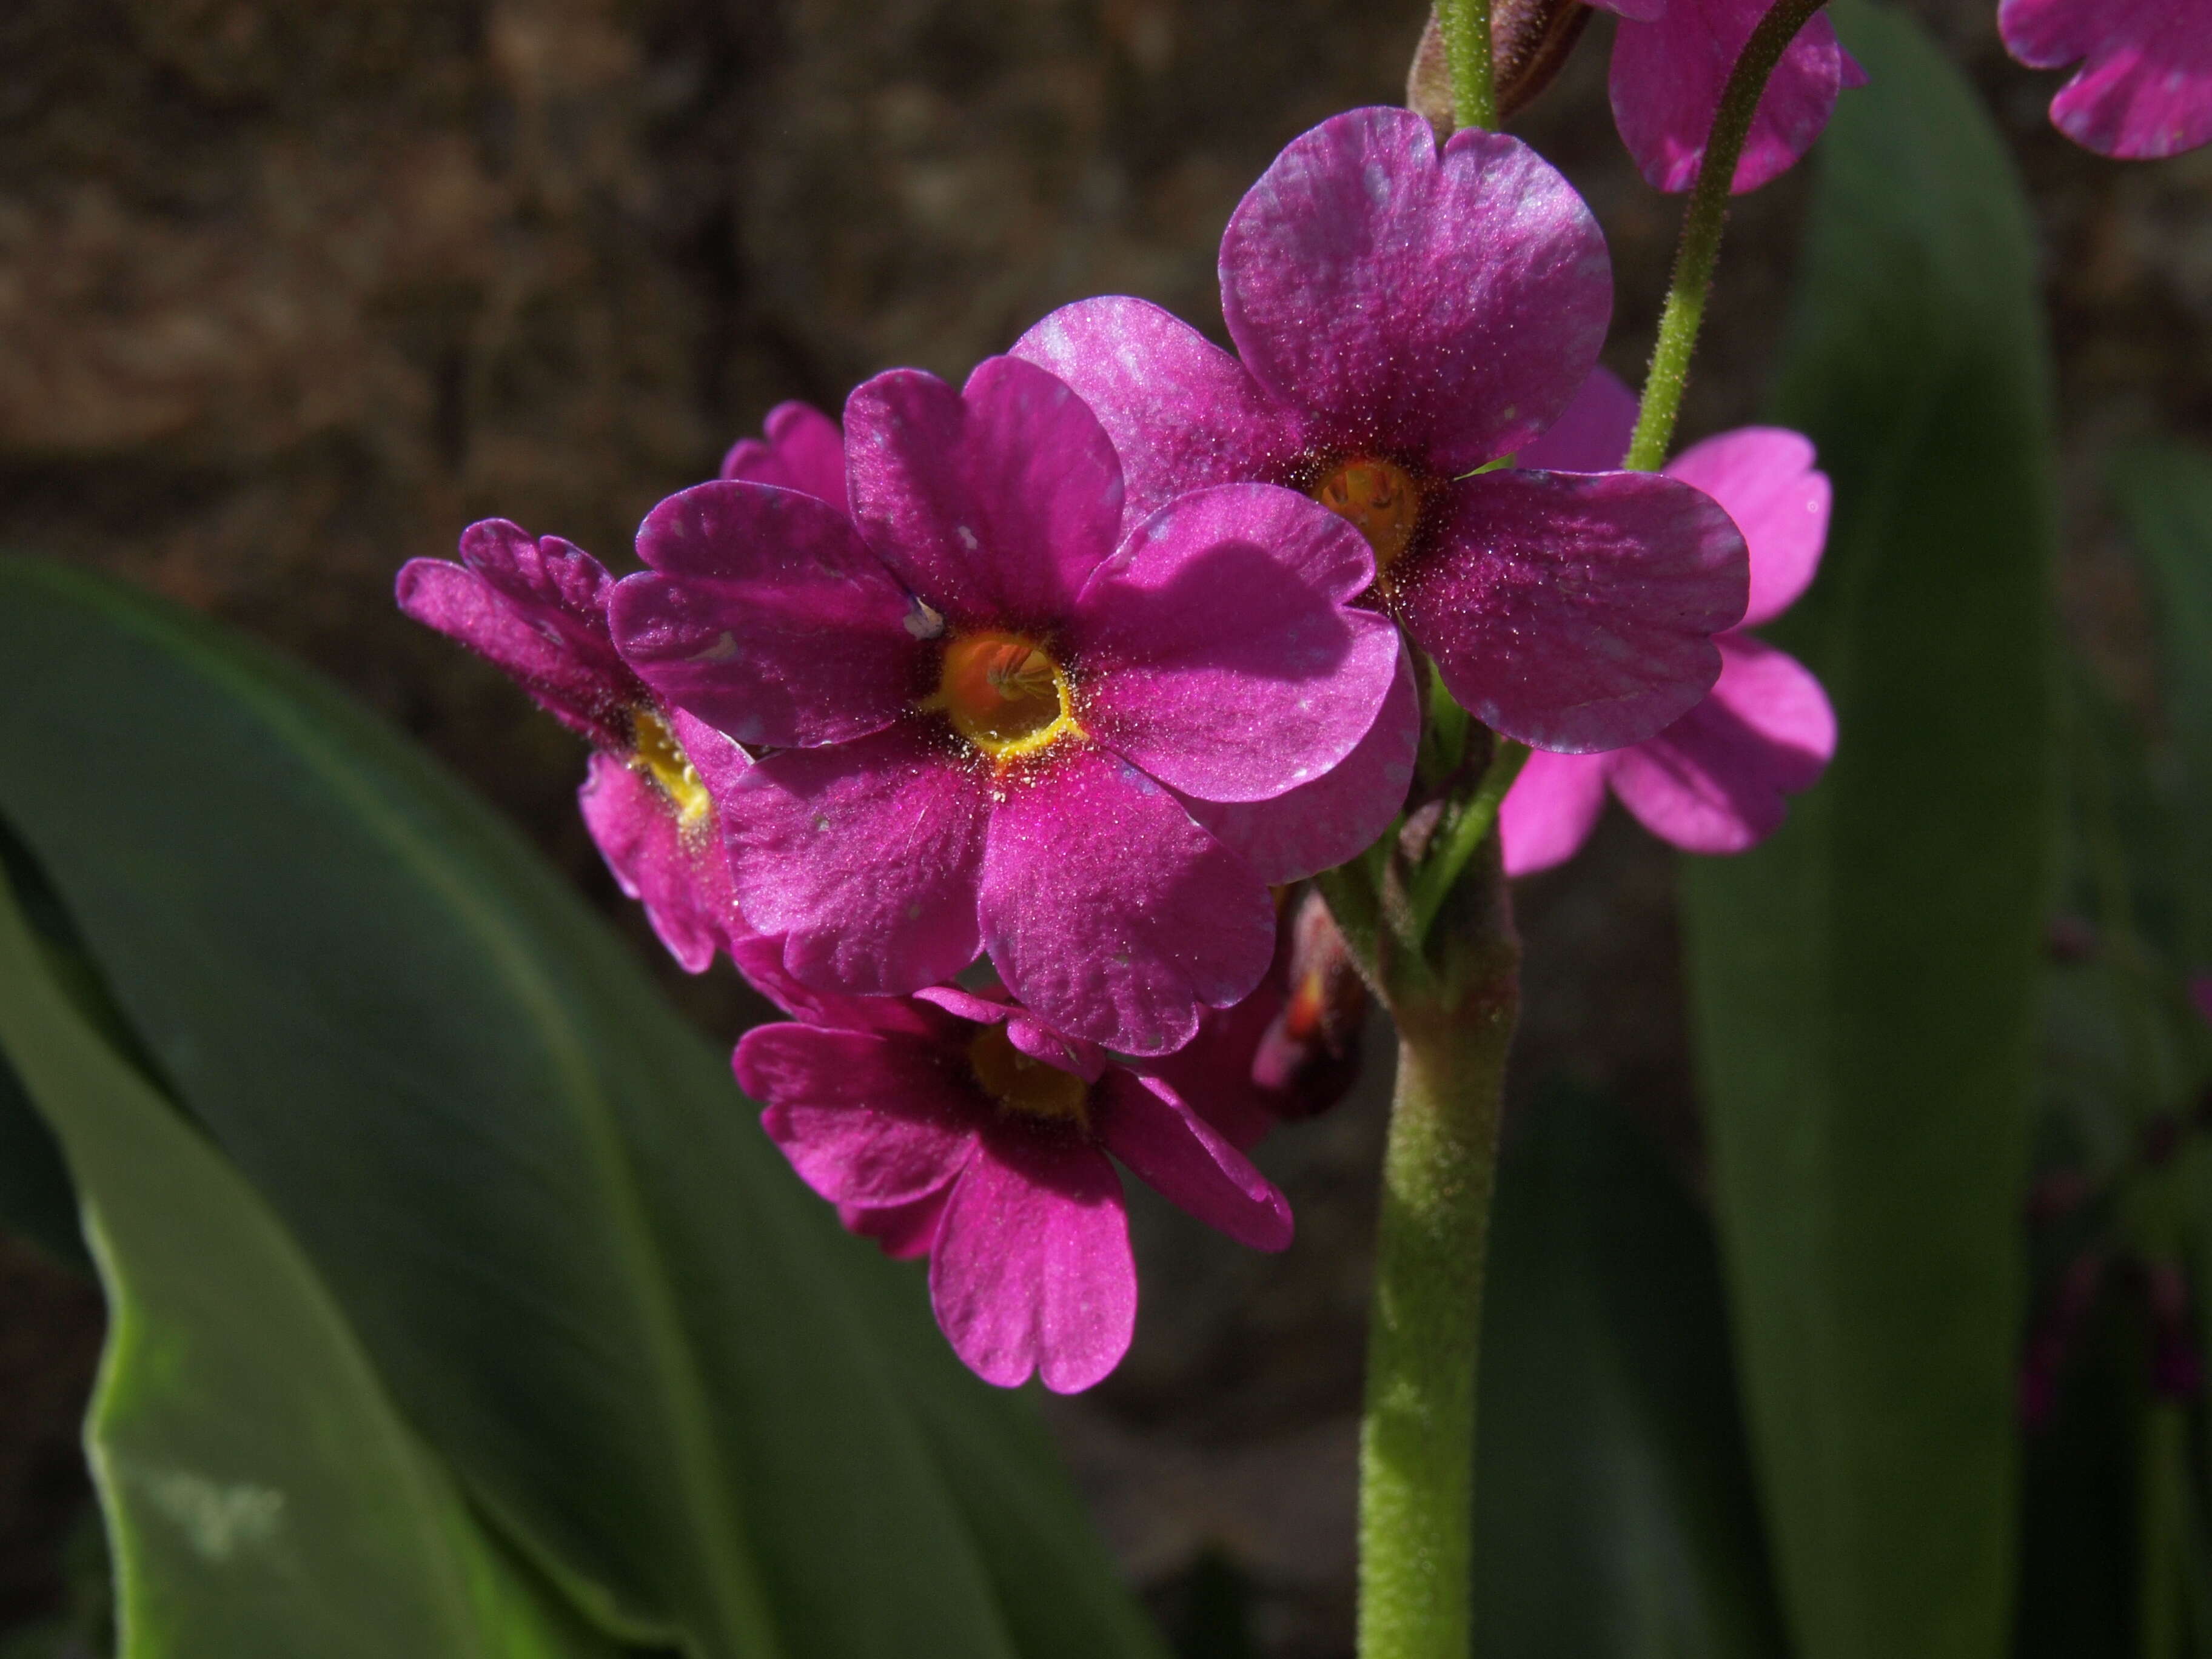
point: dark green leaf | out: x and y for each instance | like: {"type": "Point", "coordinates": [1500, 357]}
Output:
{"type": "Point", "coordinates": [1866, 983]}
{"type": "Point", "coordinates": [36, 1199]}
{"type": "Point", "coordinates": [2165, 495]}
{"type": "Point", "coordinates": [2079, 1567]}
{"type": "Point", "coordinates": [1613, 1493]}
{"type": "Point", "coordinates": [535, 1194]}
{"type": "Point", "coordinates": [266, 1496]}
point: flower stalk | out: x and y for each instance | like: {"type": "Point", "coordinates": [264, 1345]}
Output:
{"type": "Point", "coordinates": [1454, 1006]}
{"type": "Point", "coordinates": [1703, 223]}
{"type": "Point", "coordinates": [1466, 28]}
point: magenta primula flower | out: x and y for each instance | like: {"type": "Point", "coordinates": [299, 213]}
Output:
{"type": "Point", "coordinates": [537, 607]}
{"type": "Point", "coordinates": [1716, 780]}
{"type": "Point", "coordinates": [2144, 89]}
{"type": "Point", "coordinates": [1404, 320]}
{"type": "Point", "coordinates": [803, 450]}
{"type": "Point", "coordinates": [991, 705]}
{"type": "Point", "coordinates": [1672, 59]}
{"type": "Point", "coordinates": [959, 1127]}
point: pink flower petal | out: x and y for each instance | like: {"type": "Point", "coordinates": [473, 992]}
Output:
{"type": "Point", "coordinates": [865, 858]}
{"type": "Point", "coordinates": [1551, 809]}
{"type": "Point", "coordinates": [1032, 1270]}
{"type": "Point", "coordinates": [970, 1006]}
{"type": "Point", "coordinates": [1764, 475]}
{"type": "Point", "coordinates": [1212, 1072]}
{"type": "Point", "coordinates": [1593, 435]}
{"type": "Point", "coordinates": [1221, 651]}
{"type": "Point", "coordinates": [1716, 780]}
{"type": "Point", "coordinates": [1182, 413]}
{"type": "Point", "coordinates": [1441, 310]}
{"type": "Point", "coordinates": [994, 503]}
{"type": "Point", "coordinates": [1145, 1123]}
{"type": "Point", "coordinates": [1642, 11]}
{"type": "Point", "coordinates": [719, 762]}
{"type": "Point", "coordinates": [1339, 815]}
{"type": "Point", "coordinates": [1029, 1035]}
{"type": "Point", "coordinates": [905, 1232]}
{"type": "Point", "coordinates": [536, 607]}
{"type": "Point", "coordinates": [1111, 913]}
{"type": "Point", "coordinates": [554, 583]}
{"type": "Point", "coordinates": [804, 450]}
{"type": "Point", "coordinates": [681, 877]}
{"type": "Point", "coordinates": [2145, 90]}
{"type": "Point", "coordinates": [1667, 80]}
{"type": "Point", "coordinates": [764, 614]}
{"type": "Point", "coordinates": [1575, 611]}
{"type": "Point", "coordinates": [759, 957]}
{"type": "Point", "coordinates": [865, 1117]}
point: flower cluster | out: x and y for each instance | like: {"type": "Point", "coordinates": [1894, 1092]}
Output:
{"type": "Point", "coordinates": [985, 729]}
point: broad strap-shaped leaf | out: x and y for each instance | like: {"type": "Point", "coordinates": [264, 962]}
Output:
{"type": "Point", "coordinates": [263, 1494]}
{"type": "Point", "coordinates": [1613, 1491]}
{"type": "Point", "coordinates": [537, 1195]}
{"type": "Point", "coordinates": [2164, 495]}
{"type": "Point", "coordinates": [1866, 983]}
{"type": "Point", "coordinates": [36, 1199]}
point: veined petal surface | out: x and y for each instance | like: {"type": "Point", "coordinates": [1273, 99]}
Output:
{"type": "Point", "coordinates": [1437, 309]}
{"type": "Point", "coordinates": [1222, 652]}
{"type": "Point", "coordinates": [764, 614]}
{"type": "Point", "coordinates": [864, 857]}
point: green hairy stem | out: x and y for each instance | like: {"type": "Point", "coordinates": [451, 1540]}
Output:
{"type": "Point", "coordinates": [1465, 25]}
{"type": "Point", "coordinates": [1455, 1004]}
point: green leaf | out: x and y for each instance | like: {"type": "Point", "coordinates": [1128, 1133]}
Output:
{"type": "Point", "coordinates": [538, 1197]}
{"type": "Point", "coordinates": [266, 1496]}
{"type": "Point", "coordinates": [2165, 494]}
{"type": "Point", "coordinates": [1613, 1490]}
{"type": "Point", "coordinates": [2080, 1557]}
{"type": "Point", "coordinates": [36, 1199]}
{"type": "Point", "coordinates": [1865, 984]}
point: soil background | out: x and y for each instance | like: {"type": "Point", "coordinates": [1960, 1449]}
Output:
{"type": "Point", "coordinates": [291, 294]}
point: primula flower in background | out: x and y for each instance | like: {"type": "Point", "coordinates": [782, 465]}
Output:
{"type": "Point", "coordinates": [1405, 319]}
{"type": "Point", "coordinates": [1716, 780]}
{"type": "Point", "coordinates": [537, 607]}
{"type": "Point", "coordinates": [989, 704]}
{"type": "Point", "coordinates": [2144, 89]}
{"type": "Point", "coordinates": [956, 1126]}
{"type": "Point", "coordinates": [1671, 60]}
{"type": "Point", "coordinates": [803, 450]}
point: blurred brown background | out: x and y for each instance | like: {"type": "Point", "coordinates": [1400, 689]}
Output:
{"type": "Point", "coordinates": [290, 294]}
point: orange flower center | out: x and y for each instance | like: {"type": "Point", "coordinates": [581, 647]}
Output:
{"type": "Point", "coordinates": [655, 752]}
{"type": "Point", "coordinates": [1027, 1086]}
{"type": "Point", "coordinates": [1379, 498]}
{"type": "Point", "coordinates": [1005, 694]}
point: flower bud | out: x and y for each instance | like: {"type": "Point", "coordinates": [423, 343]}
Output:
{"type": "Point", "coordinates": [1530, 40]}
{"type": "Point", "coordinates": [1309, 1056]}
